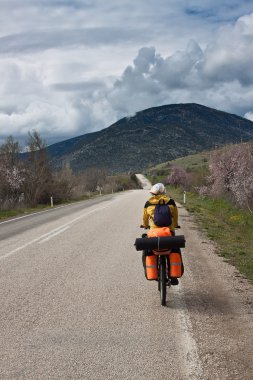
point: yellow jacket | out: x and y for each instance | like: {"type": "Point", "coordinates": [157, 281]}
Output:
{"type": "Point", "coordinates": [149, 209]}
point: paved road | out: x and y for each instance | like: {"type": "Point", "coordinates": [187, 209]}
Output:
{"type": "Point", "coordinates": [145, 183]}
{"type": "Point", "coordinates": [20, 224]}
{"type": "Point", "coordinates": [75, 304]}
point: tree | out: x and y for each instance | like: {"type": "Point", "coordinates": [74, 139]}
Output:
{"type": "Point", "coordinates": [11, 173]}
{"type": "Point", "coordinates": [9, 152]}
{"type": "Point", "coordinates": [231, 174]}
{"type": "Point", "coordinates": [63, 184]}
{"type": "Point", "coordinates": [38, 174]}
{"type": "Point", "coordinates": [92, 178]}
{"type": "Point", "coordinates": [242, 180]}
{"type": "Point", "coordinates": [179, 177]}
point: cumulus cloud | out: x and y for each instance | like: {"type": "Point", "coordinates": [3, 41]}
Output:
{"type": "Point", "coordinates": [69, 68]}
{"type": "Point", "coordinates": [249, 116]}
{"type": "Point", "coordinates": [230, 55]}
{"type": "Point", "coordinates": [219, 76]}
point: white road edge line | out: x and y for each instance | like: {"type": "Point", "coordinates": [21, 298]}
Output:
{"type": "Point", "coordinates": [39, 212]}
{"type": "Point", "coordinates": [193, 364]}
{"type": "Point", "coordinates": [51, 232]}
{"type": "Point", "coordinates": [34, 213]}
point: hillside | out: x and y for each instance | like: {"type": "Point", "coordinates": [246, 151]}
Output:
{"type": "Point", "coordinates": [223, 218]}
{"type": "Point", "coordinates": [152, 136]}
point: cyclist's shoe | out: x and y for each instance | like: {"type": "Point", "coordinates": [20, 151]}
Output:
{"type": "Point", "coordinates": [174, 281]}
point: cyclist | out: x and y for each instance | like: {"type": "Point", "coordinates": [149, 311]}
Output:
{"type": "Point", "coordinates": [158, 195]}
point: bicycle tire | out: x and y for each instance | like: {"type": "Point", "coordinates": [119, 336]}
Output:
{"type": "Point", "coordinates": [162, 280]}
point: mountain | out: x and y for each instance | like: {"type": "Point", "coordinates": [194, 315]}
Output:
{"type": "Point", "coordinates": [150, 137]}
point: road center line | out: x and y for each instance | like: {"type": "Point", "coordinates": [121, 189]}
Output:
{"type": "Point", "coordinates": [53, 232]}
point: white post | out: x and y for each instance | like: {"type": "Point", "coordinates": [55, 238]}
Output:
{"type": "Point", "coordinates": [52, 201]}
{"type": "Point", "coordinates": [184, 197]}
{"type": "Point", "coordinates": [100, 190]}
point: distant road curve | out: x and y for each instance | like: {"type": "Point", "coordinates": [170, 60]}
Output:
{"type": "Point", "coordinates": [145, 183]}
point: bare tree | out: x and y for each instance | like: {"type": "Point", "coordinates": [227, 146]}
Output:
{"type": "Point", "coordinates": [11, 173]}
{"type": "Point", "coordinates": [9, 152]}
{"type": "Point", "coordinates": [38, 174]}
{"type": "Point", "coordinates": [92, 178]}
{"type": "Point", "coordinates": [64, 182]}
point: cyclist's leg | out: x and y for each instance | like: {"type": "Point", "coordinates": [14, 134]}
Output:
{"type": "Point", "coordinates": [168, 265]}
{"type": "Point", "coordinates": [144, 254]}
{"type": "Point", "coordinates": [162, 279]}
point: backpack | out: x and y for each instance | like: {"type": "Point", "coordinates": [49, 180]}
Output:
{"type": "Point", "coordinates": [162, 214]}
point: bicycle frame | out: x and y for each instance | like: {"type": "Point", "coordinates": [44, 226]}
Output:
{"type": "Point", "coordinates": [163, 275]}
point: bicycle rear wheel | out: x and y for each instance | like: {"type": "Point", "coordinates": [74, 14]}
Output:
{"type": "Point", "coordinates": [162, 280]}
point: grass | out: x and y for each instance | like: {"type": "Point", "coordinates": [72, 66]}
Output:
{"type": "Point", "coordinates": [192, 161]}
{"type": "Point", "coordinates": [5, 214]}
{"type": "Point", "coordinates": [229, 227]}
{"type": "Point", "coordinates": [189, 163]}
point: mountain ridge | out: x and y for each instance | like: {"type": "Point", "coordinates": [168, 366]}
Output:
{"type": "Point", "coordinates": [150, 137]}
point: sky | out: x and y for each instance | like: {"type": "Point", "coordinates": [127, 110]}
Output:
{"type": "Point", "coordinates": [70, 67]}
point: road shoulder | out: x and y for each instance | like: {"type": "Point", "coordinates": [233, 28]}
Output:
{"type": "Point", "coordinates": [219, 301]}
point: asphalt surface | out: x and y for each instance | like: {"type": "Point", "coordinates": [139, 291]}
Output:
{"type": "Point", "coordinates": [75, 303]}
{"type": "Point", "coordinates": [11, 227]}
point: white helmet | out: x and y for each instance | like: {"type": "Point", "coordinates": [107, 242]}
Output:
{"type": "Point", "coordinates": [158, 188]}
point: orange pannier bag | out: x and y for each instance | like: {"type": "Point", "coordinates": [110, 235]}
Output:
{"type": "Point", "coordinates": [151, 267]}
{"type": "Point", "coordinates": [175, 259]}
{"type": "Point", "coordinates": [151, 261]}
{"type": "Point", "coordinates": [176, 265]}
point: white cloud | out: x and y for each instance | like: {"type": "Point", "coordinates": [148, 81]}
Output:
{"type": "Point", "coordinates": [68, 68]}
{"type": "Point", "coordinates": [249, 116]}
{"type": "Point", "coordinates": [230, 55]}
{"type": "Point", "coordinates": [219, 76]}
